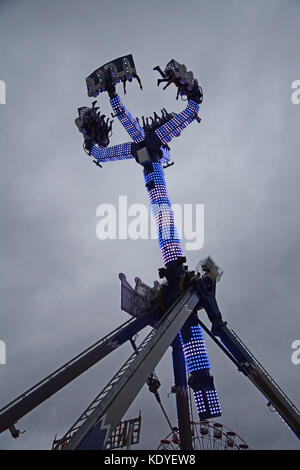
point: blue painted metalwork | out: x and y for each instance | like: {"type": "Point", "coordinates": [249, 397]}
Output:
{"type": "Point", "coordinates": [180, 389]}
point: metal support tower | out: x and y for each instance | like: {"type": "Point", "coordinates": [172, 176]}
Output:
{"type": "Point", "coordinates": [181, 393]}
{"type": "Point", "coordinates": [150, 149]}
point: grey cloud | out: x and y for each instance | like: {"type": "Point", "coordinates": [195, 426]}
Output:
{"type": "Point", "coordinates": [59, 285]}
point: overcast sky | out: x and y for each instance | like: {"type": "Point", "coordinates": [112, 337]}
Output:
{"type": "Point", "coordinates": [59, 283]}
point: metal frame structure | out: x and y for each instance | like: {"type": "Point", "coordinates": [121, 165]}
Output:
{"type": "Point", "coordinates": [170, 308]}
{"type": "Point", "coordinates": [115, 404]}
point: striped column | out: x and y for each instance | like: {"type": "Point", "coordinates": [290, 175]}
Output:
{"type": "Point", "coordinates": [198, 367]}
{"type": "Point", "coordinates": [169, 241]}
{"type": "Point", "coordinates": [192, 341]}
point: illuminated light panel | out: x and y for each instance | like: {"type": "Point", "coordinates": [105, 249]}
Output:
{"type": "Point", "coordinates": [110, 154]}
{"type": "Point", "coordinates": [207, 404]}
{"type": "Point", "coordinates": [196, 359]}
{"type": "Point", "coordinates": [130, 124]}
{"type": "Point", "coordinates": [165, 219]}
{"type": "Point", "coordinates": [174, 126]}
{"type": "Point", "coordinates": [200, 403]}
{"type": "Point", "coordinates": [160, 191]}
{"type": "Point", "coordinates": [194, 351]}
{"type": "Point", "coordinates": [168, 238]}
{"type": "Point", "coordinates": [213, 402]}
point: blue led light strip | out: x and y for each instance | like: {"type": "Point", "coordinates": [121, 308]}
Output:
{"type": "Point", "coordinates": [169, 241]}
{"type": "Point", "coordinates": [110, 154]}
{"type": "Point", "coordinates": [130, 124]}
{"type": "Point", "coordinates": [196, 360]}
{"type": "Point", "coordinates": [207, 404]}
{"type": "Point", "coordinates": [195, 353]}
{"type": "Point", "coordinates": [174, 126]}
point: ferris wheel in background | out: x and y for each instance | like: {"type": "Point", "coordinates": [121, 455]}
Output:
{"type": "Point", "coordinates": [207, 435]}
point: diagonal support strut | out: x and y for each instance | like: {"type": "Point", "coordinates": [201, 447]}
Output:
{"type": "Point", "coordinates": [105, 416]}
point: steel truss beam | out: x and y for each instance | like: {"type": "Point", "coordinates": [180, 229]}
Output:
{"type": "Point", "coordinates": [58, 379]}
{"type": "Point", "coordinates": [245, 361]}
{"type": "Point", "coordinates": [93, 428]}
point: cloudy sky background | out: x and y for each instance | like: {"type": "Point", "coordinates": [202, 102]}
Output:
{"type": "Point", "coordinates": [59, 284]}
